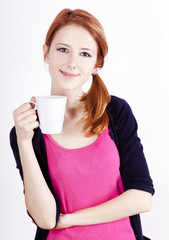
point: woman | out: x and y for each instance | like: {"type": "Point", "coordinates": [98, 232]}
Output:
{"type": "Point", "coordinates": [92, 180]}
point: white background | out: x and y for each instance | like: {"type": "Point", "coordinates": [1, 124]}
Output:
{"type": "Point", "coordinates": [136, 69]}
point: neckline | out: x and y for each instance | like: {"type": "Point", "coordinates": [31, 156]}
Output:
{"type": "Point", "coordinates": [75, 149]}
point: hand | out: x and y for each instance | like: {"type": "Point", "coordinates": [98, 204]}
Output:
{"type": "Point", "coordinates": [25, 121]}
{"type": "Point", "coordinates": [64, 222]}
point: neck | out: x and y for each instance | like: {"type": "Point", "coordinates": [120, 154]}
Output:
{"type": "Point", "coordinates": [71, 111]}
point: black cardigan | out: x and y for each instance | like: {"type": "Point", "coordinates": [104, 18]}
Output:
{"type": "Point", "coordinates": [133, 166]}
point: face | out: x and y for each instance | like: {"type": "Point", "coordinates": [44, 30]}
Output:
{"type": "Point", "coordinates": [71, 58]}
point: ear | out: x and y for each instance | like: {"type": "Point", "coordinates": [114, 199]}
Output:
{"type": "Point", "coordinates": [46, 53]}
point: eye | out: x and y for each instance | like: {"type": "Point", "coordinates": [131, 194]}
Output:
{"type": "Point", "coordinates": [64, 50]}
{"type": "Point", "coordinates": [85, 54]}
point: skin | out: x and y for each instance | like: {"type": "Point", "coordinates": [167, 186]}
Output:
{"type": "Point", "coordinates": [72, 58]}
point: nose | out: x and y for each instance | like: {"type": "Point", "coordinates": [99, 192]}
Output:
{"type": "Point", "coordinates": [72, 61]}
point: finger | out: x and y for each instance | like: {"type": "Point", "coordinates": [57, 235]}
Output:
{"type": "Point", "coordinates": [24, 107]}
{"type": "Point", "coordinates": [30, 126]}
{"type": "Point", "coordinates": [29, 119]}
{"type": "Point", "coordinates": [27, 129]}
{"type": "Point", "coordinates": [22, 116]}
{"type": "Point", "coordinates": [33, 98]}
{"type": "Point", "coordinates": [34, 125]}
{"type": "Point", "coordinates": [28, 113]}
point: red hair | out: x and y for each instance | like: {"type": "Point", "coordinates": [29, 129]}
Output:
{"type": "Point", "coordinates": [94, 102]}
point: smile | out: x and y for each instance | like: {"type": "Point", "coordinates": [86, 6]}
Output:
{"type": "Point", "coordinates": [67, 74]}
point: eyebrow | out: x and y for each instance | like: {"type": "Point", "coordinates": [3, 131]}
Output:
{"type": "Point", "coordinates": [63, 44]}
{"type": "Point", "coordinates": [70, 46]}
{"type": "Point", "coordinates": [87, 49]}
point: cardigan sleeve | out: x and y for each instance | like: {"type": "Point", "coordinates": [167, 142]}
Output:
{"type": "Point", "coordinates": [133, 166]}
{"type": "Point", "coordinates": [14, 146]}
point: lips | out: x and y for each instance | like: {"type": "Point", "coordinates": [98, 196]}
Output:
{"type": "Point", "coordinates": [67, 74]}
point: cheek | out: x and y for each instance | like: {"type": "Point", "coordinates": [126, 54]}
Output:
{"type": "Point", "coordinates": [87, 64]}
{"type": "Point", "coordinates": [57, 60]}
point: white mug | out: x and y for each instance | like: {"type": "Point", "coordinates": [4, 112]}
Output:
{"type": "Point", "coordinates": [51, 110]}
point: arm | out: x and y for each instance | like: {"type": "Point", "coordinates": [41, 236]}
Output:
{"type": "Point", "coordinates": [133, 165]}
{"type": "Point", "coordinates": [39, 200]}
{"type": "Point", "coordinates": [129, 203]}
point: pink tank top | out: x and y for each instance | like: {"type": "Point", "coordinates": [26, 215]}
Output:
{"type": "Point", "coordinates": [85, 177]}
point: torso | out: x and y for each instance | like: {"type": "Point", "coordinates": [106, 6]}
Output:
{"type": "Point", "coordinates": [83, 178]}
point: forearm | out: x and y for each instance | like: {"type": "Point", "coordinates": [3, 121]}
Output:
{"type": "Point", "coordinates": [127, 204]}
{"type": "Point", "coordinates": [39, 200]}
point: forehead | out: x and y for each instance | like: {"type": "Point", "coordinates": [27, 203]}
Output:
{"type": "Point", "coordinates": [75, 35]}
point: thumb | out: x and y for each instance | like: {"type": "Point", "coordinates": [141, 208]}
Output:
{"type": "Point", "coordinates": [33, 98]}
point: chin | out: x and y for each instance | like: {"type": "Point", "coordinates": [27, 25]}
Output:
{"type": "Point", "coordinates": [66, 86]}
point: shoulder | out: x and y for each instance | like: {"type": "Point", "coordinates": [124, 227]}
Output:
{"type": "Point", "coordinates": [119, 108]}
{"type": "Point", "coordinates": [118, 103]}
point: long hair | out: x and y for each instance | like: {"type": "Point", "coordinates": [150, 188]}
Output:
{"type": "Point", "coordinates": [93, 102]}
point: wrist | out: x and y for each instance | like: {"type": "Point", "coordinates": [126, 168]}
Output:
{"type": "Point", "coordinates": [65, 221]}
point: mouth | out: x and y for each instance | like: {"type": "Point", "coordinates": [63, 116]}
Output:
{"type": "Point", "coordinates": [67, 74]}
